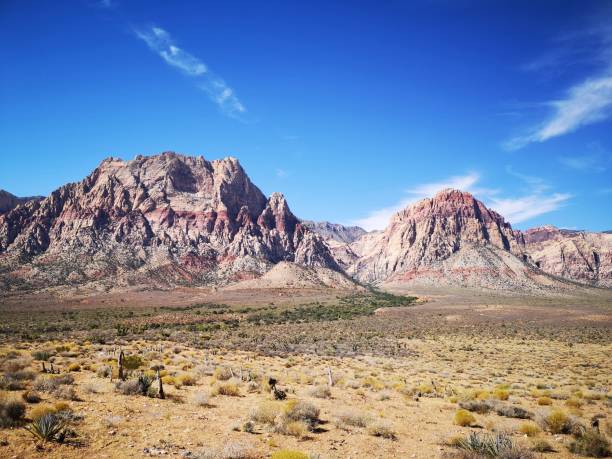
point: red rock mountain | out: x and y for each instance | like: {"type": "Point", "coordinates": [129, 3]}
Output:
{"type": "Point", "coordinates": [579, 255]}
{"type": "Point", "coordinates": [9, 201]}
{"type": "Point", "coordinates": [451, 239]}
{"type": "Point", "coordinates": [162, 220]}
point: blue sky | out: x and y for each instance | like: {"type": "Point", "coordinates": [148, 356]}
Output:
{"type": "Point", "coordinates": [352, 109]}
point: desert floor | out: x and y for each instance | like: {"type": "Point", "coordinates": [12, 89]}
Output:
{"type": "Point", "coordinates": [401, 371]}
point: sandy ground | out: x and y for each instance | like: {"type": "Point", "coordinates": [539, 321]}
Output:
{"type": "Point", "coordinates": [453, 355]}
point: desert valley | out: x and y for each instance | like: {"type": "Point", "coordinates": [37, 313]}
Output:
{"type": "Point", "coordinates": [164, 306]}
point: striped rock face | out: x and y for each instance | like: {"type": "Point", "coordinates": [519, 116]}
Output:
{"type": "Point", "coordinates": [163, 220]}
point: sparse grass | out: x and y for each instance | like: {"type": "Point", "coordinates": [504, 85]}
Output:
{"type": "Point", "coordinates": [529, 428]}
{"type": "Point", "coordinates": [382, 429]}
{"type": "Point", "coordinates": [201, 399]}
{"type": "Point", "coordinates": [266, 412]}
{"type": "Point", "coordinates": [321, 391]}
{"type": "Point", "coordinates": [186, 379]}
{"type": "Point", "coordinates": [353, 418]}
{"type": "Point", "coordinates": [590, 443]}
{"type": "Point", "coordinates": [542, 446]}
{"type": "Point", "coordinates": [301, 410]}
{"type": "Point", "coordinates": [229, 389]}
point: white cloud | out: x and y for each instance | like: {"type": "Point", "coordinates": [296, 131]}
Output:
{"type": "Point", "coordinates": [518, 210]}
{"type": "Point", "coordinates": [281, 173]}
{"type": "Point", "coordinates": [586, 103]}
{"type": "Point", "coordinates": [160, 41]}
{"type": "Point", "coordinates": [532, 203]}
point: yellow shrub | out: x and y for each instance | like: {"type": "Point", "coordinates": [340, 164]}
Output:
{"type": "Point", "coordinates": [186, 379]}
{"type": "Point", "coordinates": [529, 428]}
{"type": "Point", "coordinates": [61, 406]}
{"type": "Point", "coordinates": [464, 418]}
{"type": "Point", "coordinates": [545, 401]}
{"type": "Point", "coordinates": [41, 410]}
{"type": "Point", "coordinates": [373, 383]}
{"type": "Point", "coordinates": [266, 412]}
{"type": "Point", "coordinates": [501, 394]}
{"type": "Point", "coordinates": [573, 403]}
{"type": "Point", "coordinates": [74, 367]}
{"type": "Point", "coordinates": [296, 429]}
{"type": "Point", "coordinates": [557, 421]}
{"type": "Point", "coordinates": [425, 389]}
{"type": "Point", "coordinates": [170, 380]}
{"type": "Point", "coordinates": [229, 389]}
{"type": "Point", "coordinates": [288, 454]}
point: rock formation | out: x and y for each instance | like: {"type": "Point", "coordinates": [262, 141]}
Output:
{"type": "Point", "coordinates": [578, 255]}
{"type": "Point", "coordinates": [9, 201]}
{"type": "Point", "coordinates": [430, 231]}
{"type": "Point", "coordinates": [161, 220]}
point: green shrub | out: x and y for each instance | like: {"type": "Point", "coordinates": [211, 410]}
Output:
{"type": "Point", "coordinates": [590, 443]}
{"type": "Point", "coordinates": [491, 446]}
{"type": "Point", "coordinates": [41, 355]}
{"type": "Point", "coordinates": [132, 362]}
{"type": "Point", "coordinates": [11, 412]}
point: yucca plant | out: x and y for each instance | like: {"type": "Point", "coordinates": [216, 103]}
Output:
{"type": "Point", "coordinates": [489, 446]}
{"type": "Point", "coordinates": [144, 384]}
{"type": "Point", "coordinates": [49, 427]}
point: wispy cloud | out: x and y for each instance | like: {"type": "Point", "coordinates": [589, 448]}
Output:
{"type": "Point", "coordinates": [584, 103]}
{"type": "Point", "coordinates": [160, 41]}
{"type": "Point", "coordinates": [536, 200]}
{"type": "Point", "coordinates": [583, 163]}
{"type": "Point", "coordinates": [533, 202]}
{"type": "Point", "coordinates": [517, 210]}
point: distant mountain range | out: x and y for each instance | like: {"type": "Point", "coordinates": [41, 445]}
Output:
{"type": "Point", "coordinates": [170, 219]}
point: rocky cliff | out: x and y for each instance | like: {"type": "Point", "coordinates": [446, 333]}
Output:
{"type": "Point", "coordinates": [162, 220]}
{"type": "Point", "coordinates": [578, 255]}
{"type": "Point", "coordinates": [430, 231]}
{"type": "Point", "coordinates": [9, 201]}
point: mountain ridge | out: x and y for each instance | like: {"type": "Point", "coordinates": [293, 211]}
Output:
{"type": "Point", "coordinates": [172, 219]}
